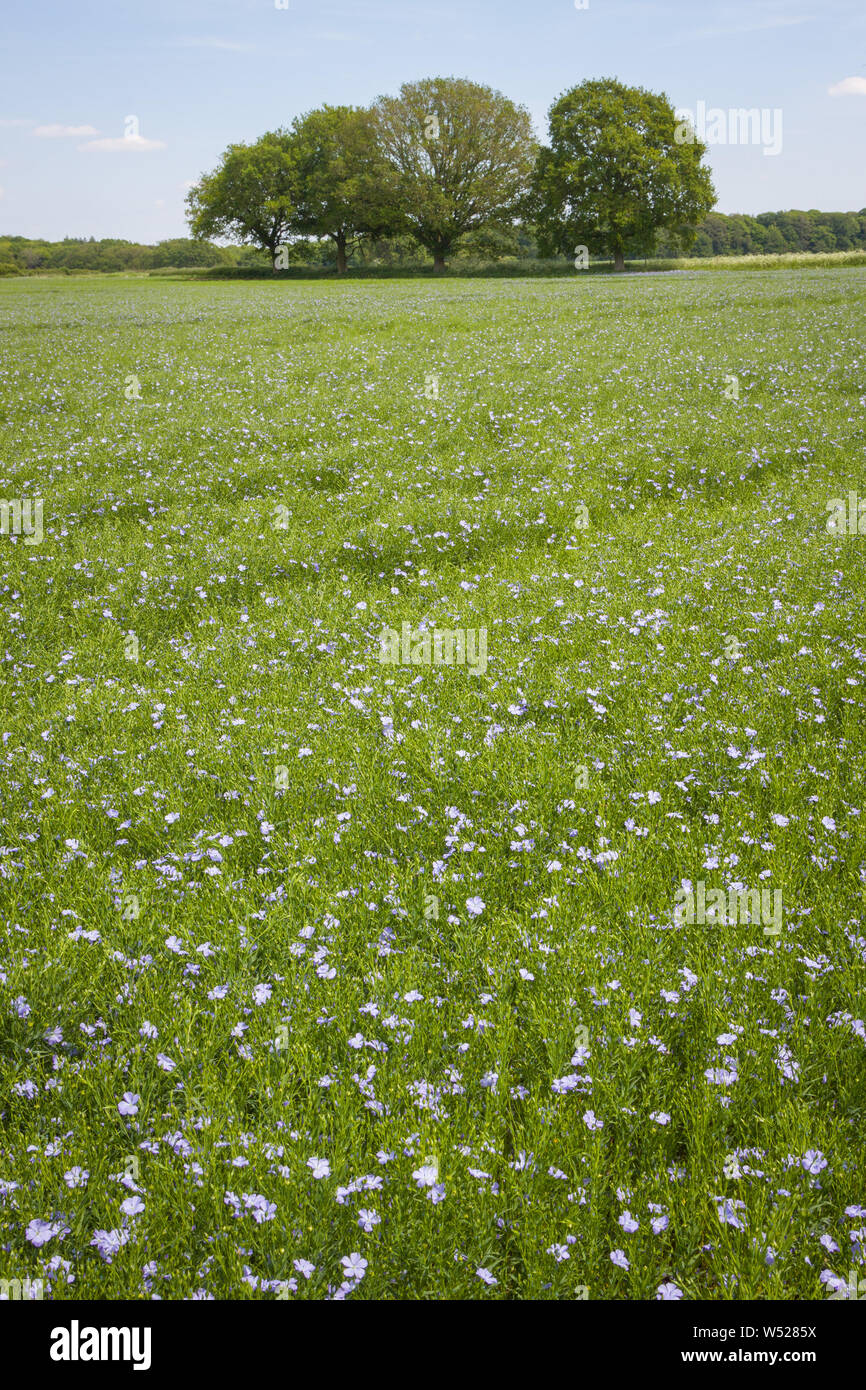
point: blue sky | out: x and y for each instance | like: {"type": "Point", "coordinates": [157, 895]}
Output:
{"type": "Point", "coordinates": [198, 74]}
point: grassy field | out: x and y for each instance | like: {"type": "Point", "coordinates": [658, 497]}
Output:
{"type": "Point", "coordinates": [325, 976]}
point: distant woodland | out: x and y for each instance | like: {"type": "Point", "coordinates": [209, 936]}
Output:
{"type": "Point", "coordinates": [717, 235]}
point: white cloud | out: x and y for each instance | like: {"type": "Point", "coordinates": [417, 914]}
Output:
{"type": "Point", "coordinates": [848, 87]}
{"type": "Point", "coordinates": [55, 132]}
{"type": "Point", "coordinates": [124, 144]}
{"type": "Point", "coordinates": [7, 121]}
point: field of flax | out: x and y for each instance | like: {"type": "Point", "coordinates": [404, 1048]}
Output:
{"type": "Point", "coordinates": [329, 977]}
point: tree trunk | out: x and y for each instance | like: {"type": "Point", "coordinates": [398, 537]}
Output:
{"type": "Point", "coordinates": [341, 252]}
{"type": "Point", "coordinates": [618, 261]}
{"type": "Point", "coordinates": [438, 262]}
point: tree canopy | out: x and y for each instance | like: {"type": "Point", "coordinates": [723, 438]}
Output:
{"type": "Point", "coordinates": [462, 155]}
{"type": "Point", "coordinates": [342, 186]}
{"type": "Point", "coordinates": [614, 174]}
{"type": "Point", "coordinates": [249, 196]}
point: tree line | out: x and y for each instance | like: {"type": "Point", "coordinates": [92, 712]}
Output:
{"type": "Point", "coordinates": [716, 235]}
{"type": "Point", "coordinates": [774, 232]}
{"type": "Point", "coordinates": [20, 254]}
{"type": "Point", "coordinates": [450, 169]}
{"type": "Point", "coordinates": [448, 161]}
